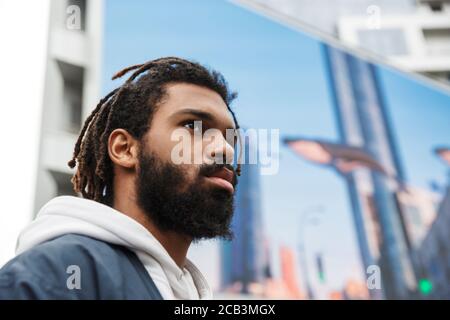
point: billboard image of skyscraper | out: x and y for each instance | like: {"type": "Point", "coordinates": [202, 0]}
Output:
{"type": "Point", "coordinates": [364, 122]}
{"type": "Point", "coordinates": [243, 258]}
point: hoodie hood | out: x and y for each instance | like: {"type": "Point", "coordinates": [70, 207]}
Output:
{"type": "Point", "coordinates": [67, 214]}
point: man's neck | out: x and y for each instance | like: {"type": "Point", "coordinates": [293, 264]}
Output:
{"type": "Point", "coordinates": [176, 244]}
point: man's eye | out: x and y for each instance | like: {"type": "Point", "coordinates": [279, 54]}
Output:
{"type": "Point", "coordinates": [193, 125]}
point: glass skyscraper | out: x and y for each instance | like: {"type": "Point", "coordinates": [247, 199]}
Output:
{"type": "Point", "coordinates": [243, 258]}
{"type": "Point", "coordinates": [363, 121]}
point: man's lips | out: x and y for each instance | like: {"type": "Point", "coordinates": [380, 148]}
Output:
{"type": "Point", "coordinates": [223, 178]}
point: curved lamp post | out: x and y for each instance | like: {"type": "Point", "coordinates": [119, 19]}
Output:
{"type": "Point", "coordinates": [305, 220]}
{"type": "Point", "coordinates": [344, 159]}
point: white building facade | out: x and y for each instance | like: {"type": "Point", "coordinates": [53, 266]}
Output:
{"type": "Point", "coordinates": [416, 41]}
{"type": "Point", "coordinates": [51, 72]}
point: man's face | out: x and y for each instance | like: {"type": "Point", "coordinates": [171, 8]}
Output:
{"type": "Point", "coordinates": [194, 198]}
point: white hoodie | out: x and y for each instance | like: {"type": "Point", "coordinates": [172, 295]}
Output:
{"type": "Point", "coordinates": [67, 214]}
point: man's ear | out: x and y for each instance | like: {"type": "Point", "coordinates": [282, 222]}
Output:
{"type": "Point", "coordinates": [123, 149]}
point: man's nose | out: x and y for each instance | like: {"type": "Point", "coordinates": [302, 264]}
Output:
{"type": "Point", "coordinates": [222, 152]}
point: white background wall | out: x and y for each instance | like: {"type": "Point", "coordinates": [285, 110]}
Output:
{"type": "Point", "coordinates": [23, 34]}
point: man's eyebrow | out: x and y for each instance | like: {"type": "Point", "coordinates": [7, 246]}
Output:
{"type": "Point", "coordinates": [203, 115]}
{"type": "Point", "coordinates": [200, 114]}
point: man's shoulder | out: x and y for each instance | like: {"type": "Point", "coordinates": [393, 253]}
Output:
{"type": "Point", "coordinates": [70, 246]}
{"type": "Point", "coordinates": [66, 249]}
{"type": "Point", "coordinates": [53, 267]}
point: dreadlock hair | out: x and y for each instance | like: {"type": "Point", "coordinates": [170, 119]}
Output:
{"type": "Point", "coordinates": [131, 107]}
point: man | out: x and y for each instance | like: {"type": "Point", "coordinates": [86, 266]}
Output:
{"type": "Point", "coordinates": [129, 234]}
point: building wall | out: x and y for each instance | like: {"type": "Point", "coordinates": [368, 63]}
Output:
{"type": "Point", "coordinates": [419, 208]}
{"type": "Point", "coordinates": [72, 90]}
{"type": "Point", "coordinates": [52, 72]}
{"type": "Point", "coordinates": [434, 253]}
{"type": "Point", "coordinates": [23, 76]}
{"type": "Point", "coordinates": [417, 41]}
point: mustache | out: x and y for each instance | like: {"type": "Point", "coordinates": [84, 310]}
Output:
{"type": "Point", "coordinates": [209, 169]}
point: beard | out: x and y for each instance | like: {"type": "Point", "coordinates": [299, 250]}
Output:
{"type": "Point", "coordinates": [173, 203]}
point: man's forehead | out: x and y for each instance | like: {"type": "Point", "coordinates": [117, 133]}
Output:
{"type": "Point", "coordinates": [206, 104]}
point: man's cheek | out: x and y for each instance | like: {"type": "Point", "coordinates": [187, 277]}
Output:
{"type": "Point", "coordinates": [190, 174]}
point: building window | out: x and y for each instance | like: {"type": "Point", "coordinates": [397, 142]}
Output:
{"type": "Point", "coordinates": [72, 97]}
{"type": "Point", "coordinates": [437, 41]}
{"type": "Point", "coordinates": [439, 76]}
{"type": "Point", "coordinates": [435, 6]}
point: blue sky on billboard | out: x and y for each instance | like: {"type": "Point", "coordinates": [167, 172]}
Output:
{"type": "Point", "coordinates": [279, 75]}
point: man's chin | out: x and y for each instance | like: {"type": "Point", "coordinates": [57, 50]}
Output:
{"type": "Point", "coordinates": [197, 209]}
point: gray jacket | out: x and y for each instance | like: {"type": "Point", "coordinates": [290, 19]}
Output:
{"type": "Point", "coordinates": [73, 266]}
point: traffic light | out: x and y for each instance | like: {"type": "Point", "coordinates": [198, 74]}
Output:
{"type": "Point", "coordinates": [425, 286]}
{"type": "Point", "coordinates": [320, 269]}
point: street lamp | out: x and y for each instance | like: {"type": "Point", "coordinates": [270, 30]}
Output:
{"type": "Point", "coordinates": [444, 154]}
{"type": "Point", "coordinates": [344, 159]}
{"type": "Point", "coordinates": [305, 220]}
